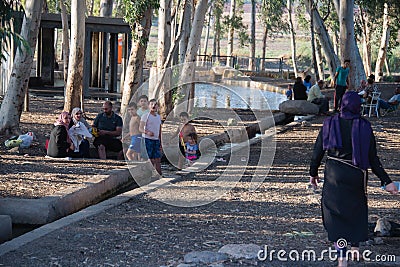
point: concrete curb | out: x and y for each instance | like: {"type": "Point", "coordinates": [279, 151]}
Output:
{"type": "Point", "coordinates": [22, 240]}
{"type": "Point", "coordinates": [48, 209]}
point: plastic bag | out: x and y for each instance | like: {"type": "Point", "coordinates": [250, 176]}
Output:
{"type": "Point", "coordinates": [26, 139]}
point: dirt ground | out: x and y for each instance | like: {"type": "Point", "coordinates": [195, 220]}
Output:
{"type": "Point", "coordinates": [281, 213]}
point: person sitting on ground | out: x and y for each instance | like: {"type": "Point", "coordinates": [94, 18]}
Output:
{"type": "Point", "coordinates": [192, 148]}
{"type": "Point", "coordinates": [143, 104]}
{"type": "Point", "coordinates": [392, 102]}
{"type": "Point", "coordinates": [133, 152]}
{"type": "Point", "coordinates": [150, 126]}
{"type": "Point", "coordinates": [60, 145]}
{"type": "Point", "coordinates": [184, 130]}
{"type": "Point", "coordinates": [316, 97]}
{"type": "Point", "coordinates": [307, 83]}
{"type": "Point", "coordinates": [77, 120]}
{"type": "Point", "coordinates": [299, 90]}
{"type": "Point", "coordinates": [108, 126]}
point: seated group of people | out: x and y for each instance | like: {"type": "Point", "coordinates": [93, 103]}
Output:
{"type": "Point", "coordinates": [312, 93]}
{"type": "Point", "coordinates": [69, 137]}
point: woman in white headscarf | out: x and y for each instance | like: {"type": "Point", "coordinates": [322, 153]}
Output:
{"type": "Point", "coordinates": [77, 120]}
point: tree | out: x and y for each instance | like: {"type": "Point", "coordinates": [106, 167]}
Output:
{"type": "Point", "coordinates": [187, 73]}
{"type": "Point", "coordinates": [138, 16]}
{"type": "Point", "coordinates": [11, 109]}
{"type": "Point", "coordinates": [325, 40]}
{"type": "Point", "coordinates": [289, 7]}
{"type": "Point", "coordinates": [8, 37]}
{"type": "Point", "coordinates": [253, 36]}
{"type": "Point", "coordinates": [348, 46]}
{"type": "Point", "coordinates": [231, 32]}
{"type": "Point", "coordinates": [218, 7]}
{"type": "Point", "coordinates": [73, 89]}
{"type": "Point", "coordinates": [164, 43]}
{"type": "Point", "coordinates": [65, 39]}
{"type": "Point", "coordinates": [272, 19]}
{"type": "Point", "coordinates": [380, 61]}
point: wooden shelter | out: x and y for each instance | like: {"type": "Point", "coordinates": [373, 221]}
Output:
{"type": "Point", "coordinates": [99, 31]}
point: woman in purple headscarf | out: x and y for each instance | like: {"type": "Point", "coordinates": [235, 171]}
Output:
{"type": "Point", "coordinates": [351, 147]}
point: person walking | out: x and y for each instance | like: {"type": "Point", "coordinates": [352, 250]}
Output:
{"type": "Point", "coordinates": [351, 148]}
{"type": "Point", "coordinates": [341, 82]}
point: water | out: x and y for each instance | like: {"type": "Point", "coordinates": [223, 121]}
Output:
{"type": "Point", "coordinates": [217, 96]}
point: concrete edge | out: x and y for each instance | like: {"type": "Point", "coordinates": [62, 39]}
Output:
{"type": "Point", "coordinates": [50, 208]}
{"type": "Point", "coordinates": [22, 240]}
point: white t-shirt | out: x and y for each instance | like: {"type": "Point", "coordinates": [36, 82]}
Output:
{"type": "Point", "coordinates": [153, 124]}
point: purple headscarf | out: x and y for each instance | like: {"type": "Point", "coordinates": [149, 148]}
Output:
{"type": "Point", "coordinates": [361, 131]}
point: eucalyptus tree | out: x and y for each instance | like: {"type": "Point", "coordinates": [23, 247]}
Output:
{"type": "Point", "coordinates": [289, 6]}
{"type": "Point", "coordinates": [218, 8]}
{"type": "Point", "coordinates": [74, 86]}
{"type": "Point", "coordinates": [11, 108]}
{"type": "Point", "coordinates": [138, 15]}
{"type": "Point", "coordinates": [271, 16]}
{"type": "Point", "coordinates": [377, 24]}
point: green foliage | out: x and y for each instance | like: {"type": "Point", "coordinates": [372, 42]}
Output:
{"type": "Point", "coordinates": [134, 9]}
{"type": "Point", "coordinates": [271, 14]}
{"type": "Point", "coordinates": [237, 23]}
{"type": "Point", "coordinates": [8, 24]}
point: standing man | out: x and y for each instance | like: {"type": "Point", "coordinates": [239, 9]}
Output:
{"type": "Point", "coordinates": [109, 127]}
{"type": "Point", "coordinates": [341, 82]}
{"type": "Point", "coordinates": [150, 126]}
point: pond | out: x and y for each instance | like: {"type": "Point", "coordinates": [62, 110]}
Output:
{"type": "Point", "coordinates": [224, 96]}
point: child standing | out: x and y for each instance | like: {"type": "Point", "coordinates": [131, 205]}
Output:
{"type": "Point", "coordinates": [150, 126]}
{"type": "Point", "coordinates": [192, 149]}
{"type": "Point", "coordinates": [133, 152]}
{"type": "Point", "coordinates": [143, 104]}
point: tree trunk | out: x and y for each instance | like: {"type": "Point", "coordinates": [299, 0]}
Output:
{"type": "Point", "coordinates": [164, 43]}
{"type": "Point", "coordinates": [106, 8]}
{"type": "Point", "coordinates": [91, 7]}
{"type": "Point", "coordinates": [252, 64]}
{"type": "Point", "coordinates": [264, 49]}
{"type": "Point", "coordinates": [11, 108]}
{"type": "Point", "coordinates": [314, 60]}
{"type": "Point", "coordinates": [187, 14]}
{"type": "Point", "coordinates": [208, 26]}
{"type": "Point", "coordinates": [73, 90]}
{"type": "Point", "coordinates": [65, 39]}
{"type": "Point", "coordinates": [380, 61]}
{"type": "Point", "coordinates": [231, 33]}
{"type": "Point", "coordinates": [325, 41]}
{"type": "Point", "coordinates": [217, 33]}
{"type": "Point", "coordinates": [134, 69]}
{"type": "Point", "coordinates": [318, 58]}
{"type": "Point", "coordinates": [366, 41]}
{"type": "Point", "coordinates": [292, 36]}
{"type": "Point", "coordinates": [348, 46]}
{"type": "Point", "coordinates": [187, 74]}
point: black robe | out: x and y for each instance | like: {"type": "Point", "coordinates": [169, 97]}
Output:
{"type": "Point", "coordinates": [344, 199]}
{"type": "Point", "coordinates": [58, 144]}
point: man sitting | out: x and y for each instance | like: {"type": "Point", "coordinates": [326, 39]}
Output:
{"type": "Point", "coordinates": [316, 97]}
{"type": "Point", "coordinates": [109, 127]}
{"type": "Point", "coordinates": [392, 102]}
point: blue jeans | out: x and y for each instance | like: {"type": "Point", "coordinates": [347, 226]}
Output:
{"type": "Point", "coordinates": [382, 104]}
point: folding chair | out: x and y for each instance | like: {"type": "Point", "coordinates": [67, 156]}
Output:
{"type": "Point", "coordinates": [390, 109]}
{"type": "Point", "coordinates": [373, 105]}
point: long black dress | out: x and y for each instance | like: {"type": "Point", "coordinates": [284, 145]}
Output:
{"type": "Point", "coordinates": [58, 144]}
{"type": "Point", "coordinates": [344, 200]}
